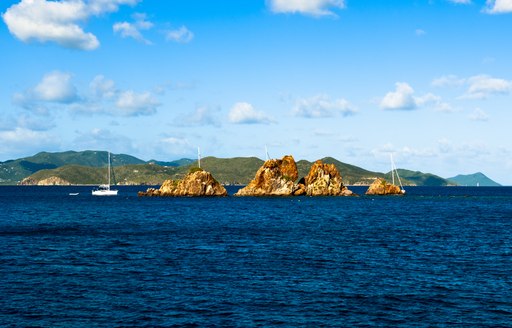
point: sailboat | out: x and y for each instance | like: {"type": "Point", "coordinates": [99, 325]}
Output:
{"type": "Point", "coordinates": [104, 189]}
{"type": "Point", "coordinates": [394, 171]}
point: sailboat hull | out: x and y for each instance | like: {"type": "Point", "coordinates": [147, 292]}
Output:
{"type": "Point", "coordinates": [104, 192]}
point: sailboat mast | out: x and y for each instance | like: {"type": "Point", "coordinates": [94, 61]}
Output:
{"type": "Point", "coordinates": [392, 169]}
{"type": "Point", "coordinates": [198, 157]}
{"type": "Point", "coordinates": [108, 169]}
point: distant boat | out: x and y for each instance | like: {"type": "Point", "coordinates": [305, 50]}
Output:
{"type": "Point", "coordinates": [394, 171]}
{"type": "Point", "coordinates": [104, 189]}
{"type": "Point", "coordinates": [74, 194]}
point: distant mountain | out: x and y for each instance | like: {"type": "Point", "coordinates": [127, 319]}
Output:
{"type": "Point", "coordinates": [89, 167]}
{"type": "Point", "coordinates": [13, 171]}
{"type": "Point", "coordinates": [476, 179]}
{"type": "Point", "coordinates": [421, 179]}
{"type": "Point", "coordinates": [179, 162]}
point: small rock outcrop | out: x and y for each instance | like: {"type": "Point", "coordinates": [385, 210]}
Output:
{"type": "Point", "coordinates": [382, 187]}
{"type": "Point", "coordinates": [325, 180]}
{"type": "Point", "coordinates": [51, 181]}
{"type": "Point", "coordinates": [195, 184]}
{"type": "Point", "coordinates": [275, 178]}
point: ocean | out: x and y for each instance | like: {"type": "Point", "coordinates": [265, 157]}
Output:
{"type": "Point", "coordinates": [432, 258]}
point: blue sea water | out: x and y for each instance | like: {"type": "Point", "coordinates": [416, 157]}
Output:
{"type": "Point", "coordinates": [435, 257]}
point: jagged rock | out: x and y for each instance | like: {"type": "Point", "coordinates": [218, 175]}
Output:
{"type": "Point", "coordinates": [325, 180]}
{"type": "Point", "coordinates": [275, 178]}
{"type": "Point", "coordinates": [198, 183]}
{"type": "Point", "coordinates": [382, 187]}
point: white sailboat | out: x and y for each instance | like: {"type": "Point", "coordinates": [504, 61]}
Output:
{"type": "Point", "coordinates": [104, 189]}
{"type": "Point", "coordinates": [394, 171]}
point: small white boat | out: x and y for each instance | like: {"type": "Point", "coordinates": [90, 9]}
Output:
{"type": "Point", "coordinates": [74, 194]}
{"type": "Point", "coordinates": [104, 189]}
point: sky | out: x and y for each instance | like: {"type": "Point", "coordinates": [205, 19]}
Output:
{"type": "Point", "coordinates": [429, 81]}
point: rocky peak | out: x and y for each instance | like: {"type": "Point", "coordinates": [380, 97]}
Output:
{"type": "Point", "coordinates": [196, 183]}
{"type": "Point", "coordinates": [381, 187]}
{"type": "Point", "coordinates": [274, 178]}
{"type": "Point", "coordinates": [325, 180]}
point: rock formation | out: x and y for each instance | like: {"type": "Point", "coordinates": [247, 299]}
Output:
{"type": "Point", "coordinates": [196, 183]}
{"type": "Point", "coordinates": [325, 180]}
{"type": "Point", "coordinates": [382, 187]}
{"type": "Point", "coordinates": [51, 181]}
{"type": "Point", "coordinates": [275, 178]}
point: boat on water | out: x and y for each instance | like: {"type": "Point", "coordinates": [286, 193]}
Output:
{"type": "Point", "coordinates": [394, 171]}
{"type": "Point", "coordinates": [104, 189]}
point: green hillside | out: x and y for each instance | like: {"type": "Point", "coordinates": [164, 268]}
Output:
{"type": "Point", "coordinates": [13, 171]}
{"type": "Point", "coordinates": [476, 179]}
{"type": "Point", "coordinates": [137, 174]}
{"type": "Point", "coordinates": [89, 167]}
{"type": "Point", "coordinates": [420, 179]}
{"type": "Point", "coordinates": [238, 170]}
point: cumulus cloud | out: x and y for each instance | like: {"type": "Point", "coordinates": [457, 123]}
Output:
{"type": "Point", "coordinates": [479, 115]}
{"type": "Point", "coordinates": [400, 99]}
{"type": "Point", "coordinates": [403, 98]}
{"type": "Point", "coordinates": [202, 116]}
{"type": "Point", "coordinates": [448, 81]}
{"type": "Point", "coordinates": [181, 35]}
{"type": "Point", "coordinates": [56, 90]}
{"type": "Point", "coordinates": [133, 30]}
{"type": "Point", "coordinates": [316, 8]}
{"type": "Point", "coordinates": [23, 140]}
{"type": "Point", "coordinates": [55, 87]}
{"type": "Point", "coordinates": [102, 88]}
{"type": "Point", "coordinates": [477, 87]}
{"type": "Point", "coordinates": [322, 106]}
{"type": "Point", "coordinates": [58, 21]}
{"type": "Point", "coordinates": [133, 104]}
{"type": "Point", "coordinates": [244, 113]}
{"type": "Point", "coordinates": [482, 86]}
{"type": "Point", "coordinates": [498, 6]}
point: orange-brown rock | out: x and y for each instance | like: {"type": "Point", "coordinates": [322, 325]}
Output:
{"type": "Point", "coordinates": [382, 187]}
{"type": "Point", "coordinates": [325, 180]}
{"type": "Point", "coordinates": [275, 178]}
{"type": "Point", "coordinates": [198, 183]}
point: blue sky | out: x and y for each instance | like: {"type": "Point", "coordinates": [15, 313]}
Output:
{"type": "Point", "coordinates": [429, 81]}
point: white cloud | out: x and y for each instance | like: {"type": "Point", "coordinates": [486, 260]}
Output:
{"type": "Point", "coordinates": [20, 141]}
{"type": "Point", "coordinates": [102, 87]}
{"type": "Point", "coordinates": [403, 98]}
{"type": "Point", "coordinates": [498, 6]}
{"type": "Point", "coordinates": [202, 116]}
{"type": "Point", "coordinates": [315, 8]}
{"type": "Point", "coordinates": [133, 104]}
{"type": "Point", "coordinates": [58, 21]}
{"type": "Point", "coordinates": [478, 86]}
{"type": "Point", "coordinates": [400, 99]}
{"type": "Point", "coordinates": [482, 86]}
{"type": "Point", "coordinates": [181, 35]}
{"type": "Point", "coordinates": [478, 115]}
{"type": "Point", "coordinates": [321, 106]}
{"type": "Point", "coordinates": [56, 87]}
{"type": "Point", "coordinates": [448, 81]}
{"type": "Point", "coordinates": [133, 30]}
{"type": "Point", "coordinates": [244, 113]}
